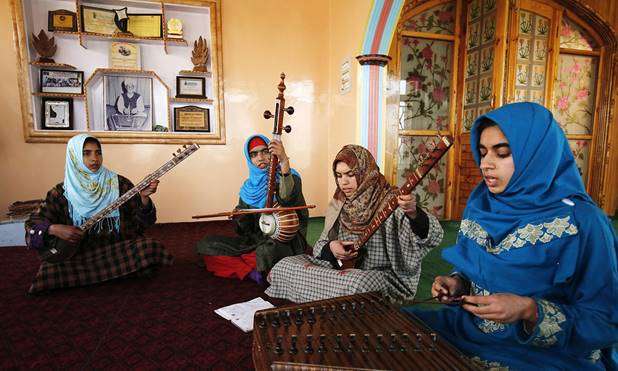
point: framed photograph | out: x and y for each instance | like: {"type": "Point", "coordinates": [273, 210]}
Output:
{"type": "Point", "coordinates": [146, 25]}
{"type": "Point", "coordinates": [98, 20]}
{"type": "Point", "coordinates": [125, 55]}
{"type": "Point", "coordinates": [62, 81]}
{"type": "Point", "coordinates": [57, 113]}
{"type": "Point", "coordinates": [190, 87]}
{"type": "Point", "coordinates": [61, 20]}
{"type": "Point", "coordinates": [128, 102]}
{"type": "Point", "coordinates": [191, 118]}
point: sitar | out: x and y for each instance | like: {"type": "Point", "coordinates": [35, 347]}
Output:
{"type": "Point", "coordinates": [427, 162]}
{"type": "Point", "coordinates": [64, 250]}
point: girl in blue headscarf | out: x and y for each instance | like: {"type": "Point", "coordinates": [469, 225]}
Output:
{"type": "Point", "coordinates": [536, 278]}
{"type": "Point", "coordinates": [251, 254]}
{"type": "Point", "coordinates": [115, 246]}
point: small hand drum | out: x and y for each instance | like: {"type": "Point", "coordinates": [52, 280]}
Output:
{"type": "Point", "coordinates": [281, 226]}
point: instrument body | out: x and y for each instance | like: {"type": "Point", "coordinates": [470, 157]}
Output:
{"type": "Point", "coordinates": [430, 159]}
{"type": "Point", "coordinates": [359, 332]}
{"type": "Point", "coordinates": [281, 225]}
{"type": "Point", "coordinates": [63, 250]}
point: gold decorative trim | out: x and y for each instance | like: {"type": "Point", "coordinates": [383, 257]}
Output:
{"type": "Point", "coordinates": [549, 325]}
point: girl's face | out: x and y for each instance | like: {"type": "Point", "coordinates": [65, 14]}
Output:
{"type": "Point", "coordinates": [92, 156]}
{"type": "Point", "coordinates": [260, 156]}
{"type": "Point", "coordinates": [346, 179]}
{"type": "Point", "coordinates": [497, 163]}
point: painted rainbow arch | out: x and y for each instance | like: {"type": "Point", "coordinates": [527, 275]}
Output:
{"type": "Point", "coordinates": [372, 75]}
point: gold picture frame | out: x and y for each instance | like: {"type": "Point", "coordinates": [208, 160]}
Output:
{"type": "Point", "coordinates": [61, 20]}
{"type": "Point", "coordinates": [191, 118]}
{"type": "Point", "coordinates": [98, 20]}
{"type": "Point", "coordinates": [146, 25]}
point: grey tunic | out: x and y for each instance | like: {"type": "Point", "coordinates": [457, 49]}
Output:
{"type": "Point", "coordinates": [391, 263]}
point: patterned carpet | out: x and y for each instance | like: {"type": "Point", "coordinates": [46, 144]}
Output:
{"type": "Point", "coordinates": [161, 322]}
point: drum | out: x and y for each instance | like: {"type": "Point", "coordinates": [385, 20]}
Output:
{"type": "Point", "coordinates": [281, 226]}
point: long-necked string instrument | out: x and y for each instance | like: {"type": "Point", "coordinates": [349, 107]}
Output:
{"type": "Point", "coordinates": [427, 161]}
{"type": "Point", "coordinates": [64, 250]}
{"type": "Point", "coordinates": [276, 222]}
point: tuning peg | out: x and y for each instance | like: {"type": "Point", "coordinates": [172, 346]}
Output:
{"type": "Point", "coordinates": [178, 150]}
{"type": "Point", "coordinates": [174, 154]}
{"type": "Point", "coordinates": [290, 110]}
{"type": "Point", "coordinates": [268, 115]}
{"type": "Point", "coordinates": [287, 128]}
{"type": "Point", "coordinates": [184, 146]}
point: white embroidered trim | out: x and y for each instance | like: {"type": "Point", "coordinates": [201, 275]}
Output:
{"type": "Point", "coordinates": [528, 234]}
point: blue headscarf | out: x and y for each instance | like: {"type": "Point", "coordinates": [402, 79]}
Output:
{"type": "Point", "coordinates": [88, 192]}
{"type": "Point", "coordinates": [545, 171]}
{"type": "Point", "coordinates": [254, 190]}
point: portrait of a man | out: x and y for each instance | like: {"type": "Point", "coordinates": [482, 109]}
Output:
{"type": "Point", "coordinates": [128, 102]}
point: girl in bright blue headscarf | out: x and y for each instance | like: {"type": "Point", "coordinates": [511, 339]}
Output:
{"type": "Point", "coordinates": [251, 254]}
{"type": "Point", "coordinates": [536, 277]}
{"type": "Point", "coordinates": [115, 246]}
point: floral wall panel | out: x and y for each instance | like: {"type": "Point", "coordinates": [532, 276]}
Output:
{"type": "Point", "coordinates": [581, 152]}
{"type": "Point", "coordinates": [439, 19]}
{"type": "Point", "coordinates": [426, 71]}
{"type": "Point", "coordinates": [573, 98]}
{"type": "Point", "coordinates": [480, 40]}
{"type": "Point", "coordinates": [573, 36]}
{"type": "Point", "coordinates": [430, 191]}
{"type": "Point", "coordinates": [531, 69]}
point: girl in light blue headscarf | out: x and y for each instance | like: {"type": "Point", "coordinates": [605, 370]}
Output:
{"type": "Point", "coordinates": [88, 191]}
{"type": "Point", "coordinates": [535, 275]}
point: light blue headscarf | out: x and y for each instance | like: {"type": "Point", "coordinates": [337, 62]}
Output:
{"type": "Point", "coordinates": [255, 188]}
{"type": "Point", "coordinates": [89, 192]}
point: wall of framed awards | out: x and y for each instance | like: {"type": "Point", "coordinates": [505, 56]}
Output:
{"type": "Point", "coordinates": [128, 71]}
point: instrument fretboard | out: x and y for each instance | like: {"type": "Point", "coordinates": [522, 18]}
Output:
{"type": "Point", "coordinates": [432, 158]}
{"type": "Point", "coordinates": [169, 165]}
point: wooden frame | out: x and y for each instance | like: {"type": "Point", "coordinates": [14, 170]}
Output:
{"type": "Point", "coordinates": [61, 89]}
{"type": "Point", "coordinates": [187, 93]}
{"type": "Point", "coordinates": [30, 100]}
{"type": "Point", "coordinates": [393, 131]}
{"type": "Point", "coordinates": [51, 20]}
{"type": "Point", "coordinates": [192, 113]}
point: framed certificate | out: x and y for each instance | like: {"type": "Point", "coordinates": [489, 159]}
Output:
{"type": "Point", "coordinates": [190, 87]}
{"type": "Point", "coordinates": [125, 55]}
{"type": "Point", "coordinates": [61, 20]}
{"type": "Point", "coordinates": [146, 25]}
{"type": "Point", "coordinates": [98, 20]}
{"type": "Point", "coordinates": [191, 118]}
{"type": "Point", "coordinates": [57, 113]}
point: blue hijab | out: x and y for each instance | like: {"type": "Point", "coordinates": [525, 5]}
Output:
{"type": "Point", "coordinates": [545, 171]}
{"type": "Point", "coordinates": [255, 188]}
{"type": "Point", "coordinates": [86, 191]}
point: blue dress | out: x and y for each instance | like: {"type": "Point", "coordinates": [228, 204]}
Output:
{"type": "Point", "coordinates": [544, 238]}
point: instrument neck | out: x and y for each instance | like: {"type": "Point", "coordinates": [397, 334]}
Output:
{"type": "Point", "coordinates": [130, 193]}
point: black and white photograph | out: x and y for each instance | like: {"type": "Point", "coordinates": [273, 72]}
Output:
{"type": "Point", "coordinates": [57, 113]}
{"type": "Point", "coordinates": [128, 103]}
{"type": "Point", "coordinates": [190, 87]}
{"type": "Point", "coordinates": [58, 81]}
